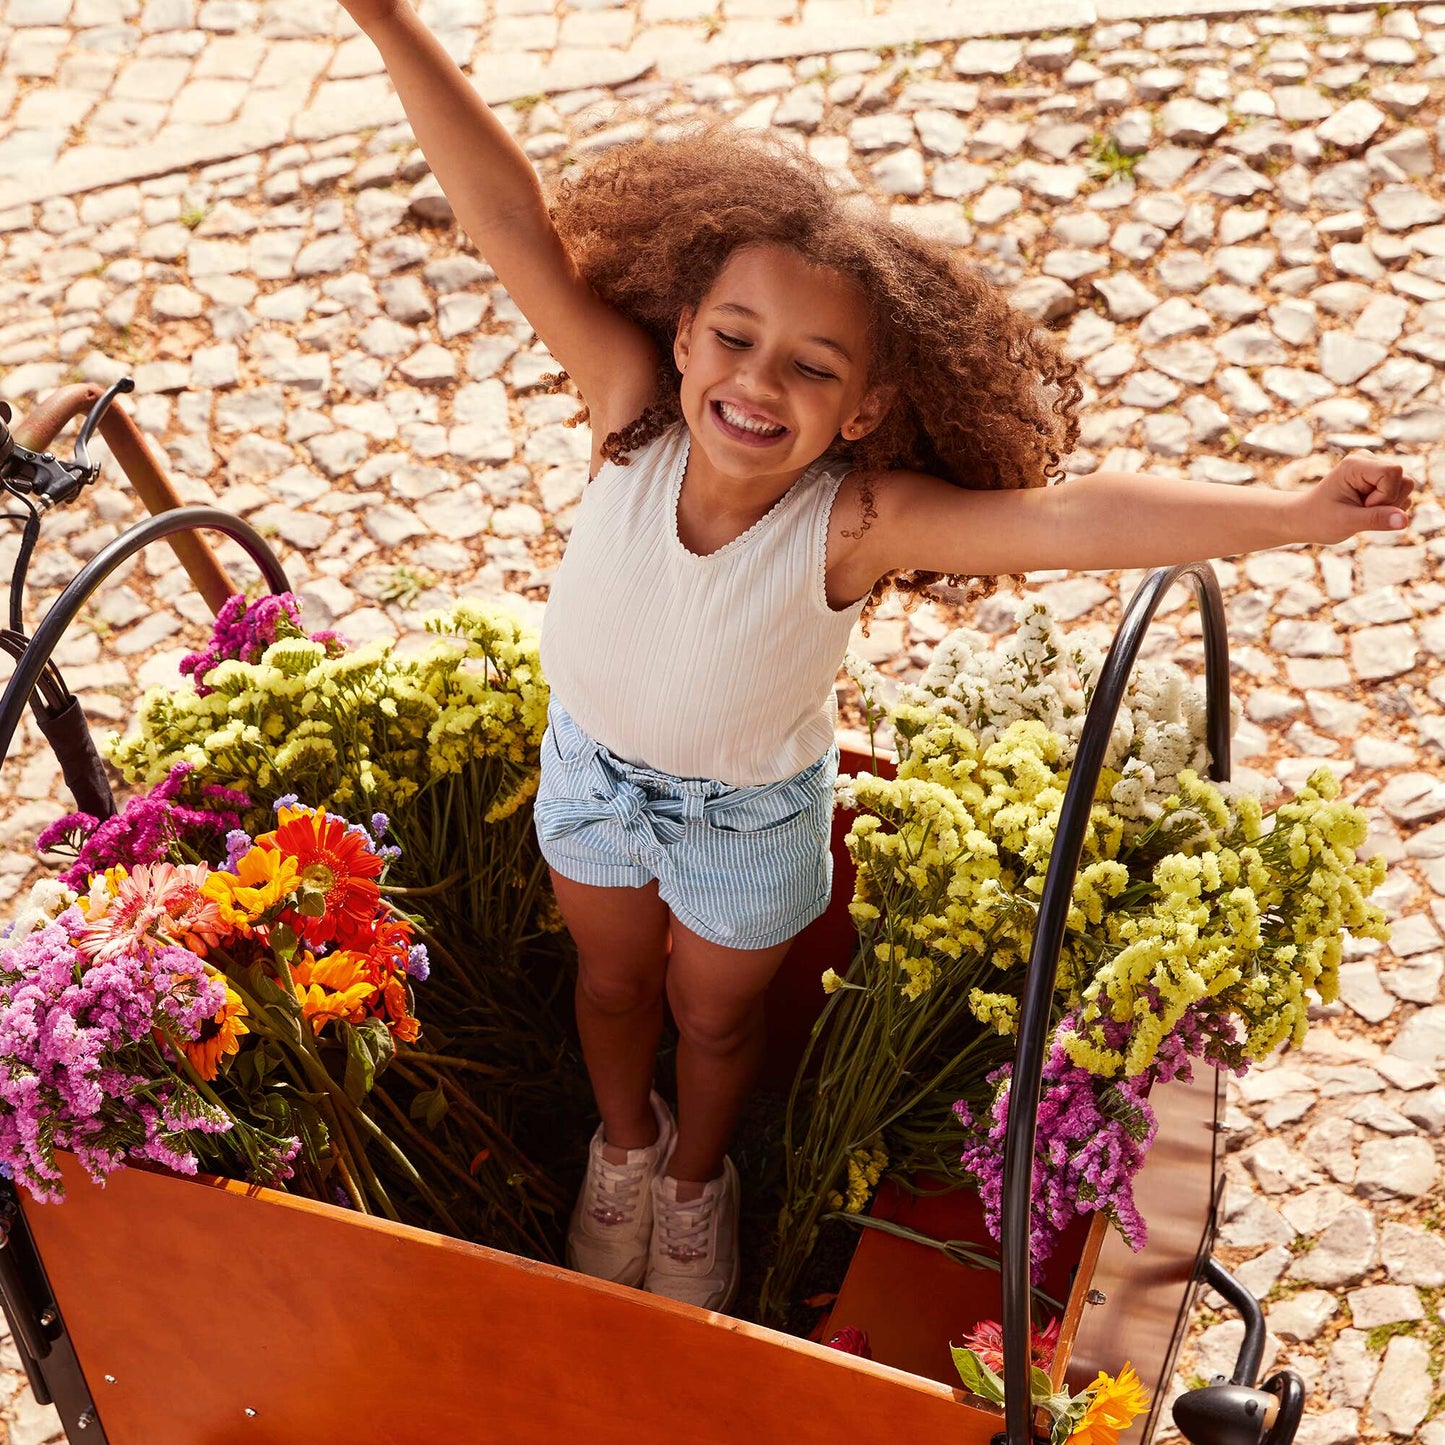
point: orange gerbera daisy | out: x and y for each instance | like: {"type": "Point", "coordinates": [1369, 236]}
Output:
{"type": "Point", "coordinates": [1114, 1406]}
{"type": "Point", "coordinates": [338, 986]}
{"type": "Point", "coordinates": [219, 1035]}
{"type": "Point", "coordinates": [334, 864]}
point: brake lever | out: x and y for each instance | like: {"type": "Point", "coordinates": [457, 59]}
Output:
{"type": "Point", "coordinates": [51, 480]}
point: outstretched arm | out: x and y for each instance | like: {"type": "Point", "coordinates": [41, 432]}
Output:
{"type": "Point", "coordinates": [499, 203]}
{"type": "Point", "coordinates": [1108, 520]}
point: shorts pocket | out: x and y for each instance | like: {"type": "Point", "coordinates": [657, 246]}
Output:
{"type": "Point", "coordinates": [568, 741]}
{"type": "Point", "coordinates": [775, 808]}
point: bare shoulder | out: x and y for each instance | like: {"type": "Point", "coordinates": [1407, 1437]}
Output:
{"type": "Point", "coordinates": [863, 519]}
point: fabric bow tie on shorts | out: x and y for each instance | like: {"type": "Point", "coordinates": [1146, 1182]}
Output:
{"type": "Point", "coordinates": [617, 799]}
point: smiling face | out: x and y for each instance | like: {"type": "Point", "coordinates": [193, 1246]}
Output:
{"type": "Point", "coordinates": [774, 364]}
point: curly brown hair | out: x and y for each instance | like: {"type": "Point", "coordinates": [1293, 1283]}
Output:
{"type": "Point", "coordinates": [984, 396]}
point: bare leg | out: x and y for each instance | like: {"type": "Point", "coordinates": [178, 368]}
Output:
{"type": "Point", "coordinates": [716, 995]}
{"type": "Point", "coordinates": [621, 936]}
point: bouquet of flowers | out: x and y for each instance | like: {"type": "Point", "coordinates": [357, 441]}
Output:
{"type": "Point", "coordinates": [1200, 926]}
{"type": "Point", "coordinates": [230, 999]}
{"type": "Point", "coordinates": [444, 743]}
{"type": "Point", "coordinates": [1094, 1416]}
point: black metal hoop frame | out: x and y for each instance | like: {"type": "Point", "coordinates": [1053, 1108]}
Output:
{"type": "Point", "coordinates": [1035, 1018]}
{"type": "Point", "coordinates": [63, 611]}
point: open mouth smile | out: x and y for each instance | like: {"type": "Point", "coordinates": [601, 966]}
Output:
{"type": "Point", "coordinates": [744, 426]}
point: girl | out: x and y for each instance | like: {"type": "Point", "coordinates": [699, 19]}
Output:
{"type": "Point", "coordinates": [794, 405]}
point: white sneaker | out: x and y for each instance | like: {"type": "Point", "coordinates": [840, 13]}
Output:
{"type": "Point", "coordinates": [612, 1222]}
{"type": "Point", "coordinates": [694, 1255]}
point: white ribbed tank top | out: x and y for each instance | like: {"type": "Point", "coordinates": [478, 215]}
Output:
{"type": "Point", "coordinates": [719, 666]}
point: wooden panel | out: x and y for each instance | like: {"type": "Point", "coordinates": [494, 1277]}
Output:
{"type": "Point", "coordinates": [204, 1298]}
{"type": "Point", "coordinates": [1146, 1296]}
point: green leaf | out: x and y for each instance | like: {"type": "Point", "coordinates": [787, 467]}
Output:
{"type": "Point", "coordinates": [977, 1378]}
{"type": "Point", "coordinates": [261, 985]}
{"type": "Point", "coordinates": [431, 1105]}
{"type": "Point", "coordinates": [436, 1110]}
{"type": "Point", "coordinates": [284, 941]}
{"type": "Point", "coordinates": [1040, 1385]}
{"type": "Point", "coordinates": [369, 1050]}
{"type": "Point", "coordinates": [311, 903]}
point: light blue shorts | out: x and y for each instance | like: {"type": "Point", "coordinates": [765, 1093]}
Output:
{"type": "Point", "coordinates": [740, 867]}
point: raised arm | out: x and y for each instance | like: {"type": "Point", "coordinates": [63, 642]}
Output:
{"type": "Point", "coordinates": [499, 203]}
{"type": "Point", "coordinates": [1120, 519]}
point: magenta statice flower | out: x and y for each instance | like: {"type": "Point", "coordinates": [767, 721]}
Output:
{"type": "Point", "coordinates": [146, 828]}
{"type": "Point", "coordinates": [1093, 1135]}
{"type": "Point", "coordinates": [245, 628]}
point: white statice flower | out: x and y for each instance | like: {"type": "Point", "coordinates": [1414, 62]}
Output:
{"type": "Point", "coordinates": [47, 900]}
{"type": "Point", "coordinates": [871, 683]}
{"type": "Point", "coordinates": [1038, 673]}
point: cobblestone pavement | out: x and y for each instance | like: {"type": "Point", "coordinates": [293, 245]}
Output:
{"type": "Point", "coordinates": [1236, 221]}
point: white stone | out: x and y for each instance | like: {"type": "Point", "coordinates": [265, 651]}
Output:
{"type": "Point", "coordinates": [1396, 1168]}
{"type": "Point", "coordinates": [1302, 1316]}
{"type": "Point", "coordinates": [1352, 126]}
{"type": "Point", "coordinates": [1401, 1398]}
{"type": "Point", "coordinates": [1384, 1304]}
{"type": "Point", "coordinates": [1412, 1256]}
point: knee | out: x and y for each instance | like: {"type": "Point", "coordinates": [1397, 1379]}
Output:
{"type": "Point", "coordinates": [614, 994]}
{"type": "Point", "coordinates": [712, 1030]}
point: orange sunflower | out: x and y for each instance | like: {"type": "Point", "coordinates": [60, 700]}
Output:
{"type": "Point", "coordinates": [1112, 1408]}
{"type": "Point", "coordinates": [338, 986]}
{"type": "Point", "coordinates": [263, 877]}
{"type": "Point", "coordinates": [335, 866]}
{"type": "Point", "coordinates": [220, 1034]}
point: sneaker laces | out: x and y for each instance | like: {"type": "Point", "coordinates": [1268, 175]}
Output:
{"type": "Point", "coordinates": [685, 1228]}
{"type": "Point", "coordinates": [616, 1191]}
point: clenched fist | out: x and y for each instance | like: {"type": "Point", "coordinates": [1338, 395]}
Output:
{"type": "Point", "coordinates": [1362, 494]}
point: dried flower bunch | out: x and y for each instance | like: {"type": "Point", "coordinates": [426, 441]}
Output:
{"type": "Point", "coordinates": [1202, 927]}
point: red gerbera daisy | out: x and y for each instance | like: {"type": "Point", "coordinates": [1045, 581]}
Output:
{"type": "Point", "coordinates": [334, 864]}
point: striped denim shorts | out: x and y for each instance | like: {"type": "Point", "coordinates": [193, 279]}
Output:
{"type": "Point", "coordinates": [744, 867]}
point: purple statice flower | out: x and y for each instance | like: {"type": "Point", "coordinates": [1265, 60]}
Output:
{"type": "Point", "coordinates": [242, 631]}
{"type": "Point", "coordinates": [286, 800]}
{"type": "Point", "coordinates": [418, 965]}
{"type": "Point", "coordinates": [79, 1067]}
{"type": "Point", "coordinates": [379, 824]}
{"type": "Point", "coordinates": [238, 843]}
{"type": "Point", "coordinates": [145, 828]}
{"type": "Point", "coordinates": [1093, 1136]}
{"type": "Point", "coordinates": [334, 643]}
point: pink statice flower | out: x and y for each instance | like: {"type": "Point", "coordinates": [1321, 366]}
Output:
{"type": "Point", "coordinates": [79, 1065]}
{"type": "Point", "coordinates": [152, 905]}
{"type": "Point", "coordinates": [1093, 1134]}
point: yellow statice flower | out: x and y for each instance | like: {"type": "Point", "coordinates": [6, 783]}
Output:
{"type": "Point", "coordinates": [865, 1169]}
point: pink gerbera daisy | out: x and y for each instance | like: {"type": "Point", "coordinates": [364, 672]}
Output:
{"type": "Point", "coordinates": [154, 904]}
